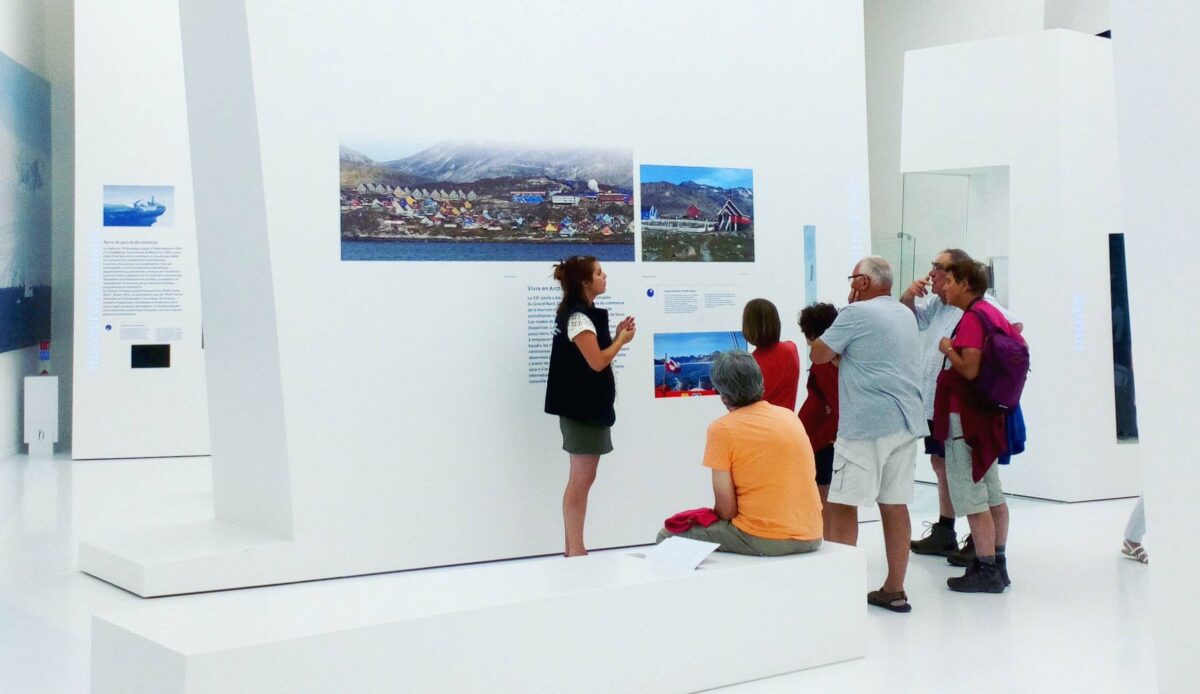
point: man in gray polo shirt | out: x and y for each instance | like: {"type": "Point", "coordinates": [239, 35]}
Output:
{"type": "Point", "coordinates": [880, 420]}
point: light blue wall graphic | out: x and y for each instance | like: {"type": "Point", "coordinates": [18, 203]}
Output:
{"type": "Point", "coordinates": [810, 264]}
{"type": "Point", "coordinates": [25, 210]}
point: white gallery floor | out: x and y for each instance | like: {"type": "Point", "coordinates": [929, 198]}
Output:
{"type": "Point", "coordinates": [1075, 619]}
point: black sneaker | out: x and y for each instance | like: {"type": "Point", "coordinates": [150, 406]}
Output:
{"type": "Point", "coordinates": [979, 578]}
{"type": "Point", "coordinates": [938, 540]}
{"type": "Point", "coordinates": [964, 556]}
{"type": "Point", "coordinates": [1002, 564]}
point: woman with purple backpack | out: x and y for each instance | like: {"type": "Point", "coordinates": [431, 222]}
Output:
{"type": "Point", "coordinates": [972, 424]}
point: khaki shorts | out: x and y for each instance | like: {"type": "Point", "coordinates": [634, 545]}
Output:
{"type": "Point", "coordinates": [870, 471]}
{"type": "Point", "coordinates": [966, 495]}
{"type": "Point", "coordinates": [734, 539]}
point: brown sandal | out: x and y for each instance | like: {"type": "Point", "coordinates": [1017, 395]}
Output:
{"type": "Point", "coordinates": [896, 602]}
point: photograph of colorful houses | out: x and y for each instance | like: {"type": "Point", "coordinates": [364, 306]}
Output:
{"type": "Point", "coordinates": [697, 214]}
{"type": "Point", "coordinates": [484, 202]}
{"type": "Point", "coordinates": [683, 361]}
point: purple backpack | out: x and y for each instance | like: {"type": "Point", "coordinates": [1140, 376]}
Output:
{"type": "Point", "coordinates": [1003, 368]}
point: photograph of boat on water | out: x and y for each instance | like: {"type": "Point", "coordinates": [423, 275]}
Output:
{"type": "Point", "coordinates": [24, 206]}
{"type": "Point", "coordinates": [697, 214]}
{"type": "Point", "coordinates": [473, 201]}
{"type": "Point", "coordinates": [683, 361]}
{"type": "Point", "coordinates": [139, 206]}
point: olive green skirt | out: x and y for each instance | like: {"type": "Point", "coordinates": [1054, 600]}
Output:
{"type": "Point", "coordinates": [585, 438]}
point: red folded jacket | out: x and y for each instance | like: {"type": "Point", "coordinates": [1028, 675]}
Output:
{"type": "Point", "coordinates": [683, 520]}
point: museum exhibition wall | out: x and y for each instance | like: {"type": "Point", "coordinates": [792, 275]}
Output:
{"type": "Point", "coordinates": [1030, 121]}
{"type": "Point", "coordinates": [403, 389]}
{"type": "Point", "coordinates": [382, 217]}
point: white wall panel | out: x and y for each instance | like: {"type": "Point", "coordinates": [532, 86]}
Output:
{"type": "Point", "coordinates": [1157, 88]}
{"type": "Point", "coordinates": [131, 129]}
{"type": "Point", "coordinates": [896, 26]}
{"type": "Point", "coordinates": [1042, 105]}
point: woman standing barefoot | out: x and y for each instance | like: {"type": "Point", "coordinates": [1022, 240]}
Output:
{"type": "Point", "coordinates": [580, 387]}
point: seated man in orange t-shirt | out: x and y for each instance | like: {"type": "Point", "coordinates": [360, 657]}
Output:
{"type": "Point", "coordinates": [764, 477]}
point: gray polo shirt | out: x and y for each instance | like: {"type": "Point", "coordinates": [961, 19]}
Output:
{"type": "Point", "coordinates": [879, 390]}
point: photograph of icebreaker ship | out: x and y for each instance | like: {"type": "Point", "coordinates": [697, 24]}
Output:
{"type": "Point", "coordinates": [139, 206]}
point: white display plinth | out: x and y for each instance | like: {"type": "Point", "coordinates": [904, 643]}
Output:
{"type": "Point", "coordinates": [193, 558]}
{"type": "Point", "coordinates": [41, 415]}
{"type": "Point", "coordinates": [608, 622]}
{"type": "Point", "coordinates": [1031, 120]}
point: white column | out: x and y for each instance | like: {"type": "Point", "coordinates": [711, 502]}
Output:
{"type": "Point", "coordinates": [1155, 56]}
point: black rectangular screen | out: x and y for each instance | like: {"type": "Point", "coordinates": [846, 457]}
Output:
{"type": "Point", "coordinates": [1126, 398]}
{"type": "Point", "coordinates": [150, 356]}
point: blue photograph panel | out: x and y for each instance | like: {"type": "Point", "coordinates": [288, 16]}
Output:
{"type": "Point", "coordinates": [139, 206]}
{"type": "Point", "coordinates": [25, 212]}
{"type": "Point", "coordinates": [683, 361]}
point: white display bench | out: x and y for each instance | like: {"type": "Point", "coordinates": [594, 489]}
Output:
{"type": "Point", "coordinates": [608, 622]}
{"type": "Point", "coordinates": [1031, 120]}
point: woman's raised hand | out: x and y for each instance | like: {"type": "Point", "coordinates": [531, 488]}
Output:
{"type": "Point", "coordinates": [626, 329]}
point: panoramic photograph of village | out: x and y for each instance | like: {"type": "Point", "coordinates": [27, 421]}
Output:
{"type": "Point", "coordinates": [460, 200]}
{"type": "Point", "coordinates": [697, 214]}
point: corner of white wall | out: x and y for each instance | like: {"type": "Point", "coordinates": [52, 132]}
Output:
{"type": "Point", "coordinates": [893, 27]}
{"type": "Point", "coordinates": [1084, 16]}
{"type": "Point", "coordinates": [60, 70]}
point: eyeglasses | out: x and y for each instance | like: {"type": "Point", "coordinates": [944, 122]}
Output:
{"type": "Point", "coordinates": [938, 266]}
{"type": "Point", "coordinates": [855, 276]}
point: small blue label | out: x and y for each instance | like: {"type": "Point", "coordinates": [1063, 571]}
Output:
{"type": "Point", "coordinates": [810, 264]}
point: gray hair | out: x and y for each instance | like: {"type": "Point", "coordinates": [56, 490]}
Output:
{"type": "Point", "coordinates": [877, 269]}
{"type": "Point", "coordinates": [737, 378]}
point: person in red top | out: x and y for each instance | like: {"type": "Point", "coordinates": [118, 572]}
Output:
{"type": "Point", "coordinates": [779, 361]}
{"type": "Point", "coordinates": [974, 431]}
{"type": "Point", "coordinates": [819, 413]}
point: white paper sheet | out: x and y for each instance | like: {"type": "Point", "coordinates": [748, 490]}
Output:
{"type": "Point", "coordinates": [680, 552]}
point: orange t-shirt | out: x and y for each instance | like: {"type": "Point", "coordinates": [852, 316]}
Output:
{"type": "Point", "coordinates": [765, 449]}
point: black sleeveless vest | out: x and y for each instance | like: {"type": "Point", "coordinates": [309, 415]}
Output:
{"type": "Point", "coordinates": [573, 389]}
